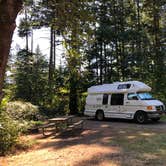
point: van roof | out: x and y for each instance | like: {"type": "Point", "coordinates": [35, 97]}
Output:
{"type": "Point", "coordinates": [120, 87]}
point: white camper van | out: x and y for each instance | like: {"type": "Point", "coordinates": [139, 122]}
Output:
{"type": "Point", "coordinates": [128, 100]}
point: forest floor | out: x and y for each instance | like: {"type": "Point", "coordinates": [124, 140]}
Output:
{"type": "Point", "coordinates": [106, 143]}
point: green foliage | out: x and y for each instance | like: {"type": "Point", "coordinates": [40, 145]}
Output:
{"type": "Point", "coordinates": [9, 132]}
{"type": "Point", "coordinates": [16, 117]}
{"type": "Point", "coordinates": [3, 103]}
{"type": "Point", "coordinates": [32, 83]}
{"type": "Point", "coordinates": [19, 110]}
{"type": "Point", "coordinates": [58, 105]}
{"type": "Point", "coordinates": [127, 43]}
{"type": "Point", "coordinates": [31, 77]}
{"type": "Point", "coordinates": [24, 113]}
{"type": "Point", "coordinates": [82, 102]}
{"type": "Point", "coordinates": [72, 21]}
{"type": "Point", "coordinates": [24, 28]}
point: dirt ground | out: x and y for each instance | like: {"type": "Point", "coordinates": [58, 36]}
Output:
{"type": "Point", "coordinates": [88, 147]}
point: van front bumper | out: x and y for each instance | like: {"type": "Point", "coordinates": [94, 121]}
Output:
{"type": "Point", "coordinates": [155, 114]}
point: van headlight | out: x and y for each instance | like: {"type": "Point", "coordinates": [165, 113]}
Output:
{"type": "Point", "coordinates": [149, 107]}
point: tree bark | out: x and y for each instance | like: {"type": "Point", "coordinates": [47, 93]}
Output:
{"type": "Point", "coordinates": [50, 77]}
{"type": "Point", "coordinates": [8, 13]}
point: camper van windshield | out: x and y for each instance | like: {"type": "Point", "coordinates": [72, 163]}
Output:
{"type": "Point", "coordinates": [145, 96]}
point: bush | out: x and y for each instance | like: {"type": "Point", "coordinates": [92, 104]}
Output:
{"type": "Point", "coordinates": [15, 117]}
{"type": "Point", "coordinates": [19, 110]}
{"type": "Point", "coordinates": [57, 106]}
{"type": "Point", "coordinates": [9, 132]}
{"type": "Point", "coordinates": [82, 102]}
{"type": "Point", "coordinates": [24, 113]}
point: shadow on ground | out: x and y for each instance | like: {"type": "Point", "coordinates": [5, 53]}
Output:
{"type": "Point", "coordinates": [115, 134]}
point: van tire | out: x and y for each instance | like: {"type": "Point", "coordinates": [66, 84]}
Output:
{"type": "Point", "coordinates": [100, 115]}
{"type": "Point", "coordinates": [141, 117]}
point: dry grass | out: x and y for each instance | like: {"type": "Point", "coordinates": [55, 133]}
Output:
{"type": "Point", "coordinates": [142, 148]}
{"type": "Point", "coordinates": [100, 144]}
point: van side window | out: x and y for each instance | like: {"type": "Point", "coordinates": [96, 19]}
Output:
{"type": "Point", "coordinates": [105, 99]}
{"type": "Point", "coordinates": [117, 99]}
{"type": "Point", "coordinates": [132, 96]}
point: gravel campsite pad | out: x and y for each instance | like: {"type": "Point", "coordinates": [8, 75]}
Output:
{"type": "Point", "coordinates": [110, 142]}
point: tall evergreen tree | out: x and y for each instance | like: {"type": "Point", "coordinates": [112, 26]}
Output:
{"type": "Point", "coordinates": [31, 76]}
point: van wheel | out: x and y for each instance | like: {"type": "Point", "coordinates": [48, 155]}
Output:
{"type": "Point", "coordinates": [100, 115]}
{"type": "Point", "coordinates": [155, 119]}
{"type": "Point", "coordinates": [141, 117]}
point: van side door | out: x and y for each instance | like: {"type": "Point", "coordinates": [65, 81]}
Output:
{"type": "Point", "coordinates": [132, 103]}
{"type": "Point", "coordinates": [116, 102]}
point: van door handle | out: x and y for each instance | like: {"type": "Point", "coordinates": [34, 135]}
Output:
{"type": "Point", "coordinates": [127, 102]}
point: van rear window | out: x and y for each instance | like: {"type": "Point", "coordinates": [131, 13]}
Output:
{"type": "Point", "coordinates": [124, 86]}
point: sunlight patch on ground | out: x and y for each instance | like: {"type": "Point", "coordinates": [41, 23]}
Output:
{"type": "Point", "coordinates": [72, 155]}
{"type": "Point", "coordinates": [122, 132]}
{"type": "Point", "coordinates": [107, 139]}
{"type": "Point", "coordinates": [105, 125]}
{"type": "Point", "coordinates": [147, 134]}
{"type": "Point", "coordinates": [131, 137]}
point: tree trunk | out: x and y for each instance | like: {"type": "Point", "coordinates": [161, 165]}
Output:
{"type": "Point", "coordinates": [31, 41]}
{"type": "Point", "coordinates": [8, 13]}
{"type": "Point", "coordinates": [105, 64]}
{"type": "Point", "coordinates": [26, 36]}
{"type": "Point", "coordinates": [51, 57]}
{"type": "Point", "coordinates": [54, 50]}
{"type": "Point", "coordinates": [158, 57]}
{"type": "Point", "coordinates": [73, 96]}
{"type": "Point", "coordinates": [101, 61]}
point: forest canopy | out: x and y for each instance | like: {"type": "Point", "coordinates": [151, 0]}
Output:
{"type": "Point", "coordinates": [104, 40]}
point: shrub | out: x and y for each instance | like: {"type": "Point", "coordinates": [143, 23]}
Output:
{"type": "Point", "coordinates": [24, 113]}
{"type": "Point", "coordinates": [8, 133]}
{"type": "Point", "coordinates": [15, 117]}
{"type": "Point", "coordinates": [57, 106]}
{"type": "Point", "coordinates": [19, 110]}
{"type": "Point", "coordinates": [82, 102]}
